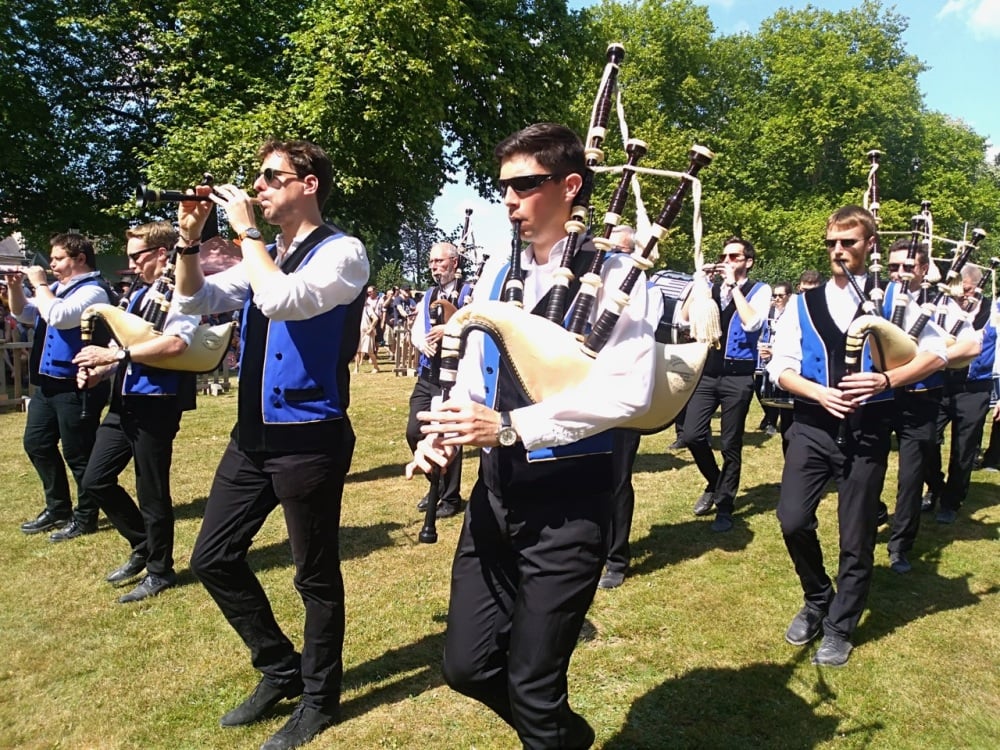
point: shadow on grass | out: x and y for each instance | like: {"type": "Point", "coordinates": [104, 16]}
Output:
{"type": "Point", "coordinates": [893, 604]}
{"type": "Point", "coordinates": [420, 662]}
{"type": "Point", "coordinates": [734, 708]}
{"type": "Point", "coordinates": [654, 463]}
{"type": "Point", "coordinates": [667, 544]}
{"type": "Point", "coordinates": [386, 471]}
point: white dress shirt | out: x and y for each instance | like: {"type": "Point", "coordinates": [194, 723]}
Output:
{"type": "Point", "coordinates": [620, 382]}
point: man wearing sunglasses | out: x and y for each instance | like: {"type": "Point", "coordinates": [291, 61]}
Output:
{"type": "Point", "coordinates": [808, 360]}
{"type": "Point", "coordinates": [54, 415]}
{"type": "Point", "coordinates": [301, 299]}
{"type": "Point", "coordinates": [142, 421]}
{"type": "Point", "coordinates": [534, 540]}
{"type": "Point", "coordinates": [727, 380]}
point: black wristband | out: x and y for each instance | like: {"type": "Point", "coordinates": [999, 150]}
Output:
{"type": "Point", "coordinates": [190, 249]}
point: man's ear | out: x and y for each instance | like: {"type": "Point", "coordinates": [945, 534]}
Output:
{"type": "Point", "coordinates": [572, 184]}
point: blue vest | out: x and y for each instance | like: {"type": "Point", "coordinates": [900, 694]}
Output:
{"type": "Point", "coordinates": [982, 366]}
{"type": "Point", "coordinates": [935, 379]}
{"type": "Point", "coordinates": [823, 345]}
{"type": "Point", "coordinates": [464, 293]}
{"type": "Point", "coordinates": [741, 344]}
{"type": "Point", "coordinates": [60, 345]}
{"type": "Point", "coordinates": [299, 380]}
{"type": "Point", "coordinates": [144, 380]}
{"type": "Point", "coordinates": [600, 443]}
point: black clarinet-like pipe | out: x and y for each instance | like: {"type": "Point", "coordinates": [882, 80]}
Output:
{"type": "Point", "coordinates": [852, 357]}
{"type": "Point", "coordinates": [601, 332]}
{"type": "Point", "coordinates": [902, 299]}
{"type": "Point", "coordinates": [428, 534]}
{"type": "Point", "coordinates": [635, 150]}
{"type": "Point", "coordinates": [513, 290]}
{"type": "Point", "coordinates": [578, 222]}
{"type": "Point", "coordinates": [962, 255]}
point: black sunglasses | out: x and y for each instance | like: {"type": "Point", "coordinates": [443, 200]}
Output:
{"type": "Point", "coordinates": [847, 244]}
{"type": "Point", "coordinates": [730, 256]}
{"type": "Point", "coordinates": [526, 183]}
{"type": "Point", "coordinates": [778, 296]}
{"type": "Point", "coordinates": [139, 253]}
{"type": "Point", "coordinates": [269, 174]}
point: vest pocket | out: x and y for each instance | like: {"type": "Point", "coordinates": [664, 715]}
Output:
{"type": "Point", "coordinates": [298, 395]}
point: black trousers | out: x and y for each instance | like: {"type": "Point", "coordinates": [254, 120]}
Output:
{"type": "Point", "coordinates": [733, 393]}
{"type": "Point", "coordinates": [525, 572]}
{"type": "Point", "coordinates": [914, 423]}
{"type": "Point", "coordinates": [55, 416]}
{"type": "Point", "coordinates": [966, 410]}
{"type": "Point", "coordinates": [813, 459]}
{"type": "Point", "coordinates": [626, 446]}
{"type": "Point", "coordinates": [309, 488]}
{"type": "Point", "coordinates": [144, 431]}
{"type": "Point", "coordinates": [420, 400]}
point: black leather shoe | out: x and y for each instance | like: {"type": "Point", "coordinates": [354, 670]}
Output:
{"type": "Point", "coordinates": [71, 531]}
{"type": "Point", "coordinates": [676, 445]}
{"type": "Point", "coordinates": [135, 564]}
{"type": "Point", "coordinates": [898, 563]}
{"type": "Point", "coordinates": [263, 698]}
{"type": "Point", "coordinates": [149, 586]}
{"type": "Point", "coordinates": [946, 516]}
{"type": "Point", "coordinates": [883, 514]}
{"type": "Point", "coordinates": [304, 724]}
{"type": "Point", "coordinates": [612, 579]}
{"type": "Point", "coordinates": [45, 521]}
{"type": "Point", "coordinates": [723, 522]}
{"type": "Point", "coordinates": [448, 508]}
{"type": "Point", "coordinates": [834, 651]}
{"type": "Point", "coordinates": [704, 504]}
{"type": "Point", "coordinates": [927, 502]}
{"type": "Point", "coordinates": [805, 626]}
{"type": "Point", "coordinates": [422, 505]}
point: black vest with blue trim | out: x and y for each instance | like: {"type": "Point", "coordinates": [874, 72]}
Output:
{"type": "Point", "coordinates": [430, 367]}
{"type": "Point", "coordinates": [936, 379]}
{"type": "Point", "coordinates": [138, 380]}
{"type": "Point", "coordinates": [739, 355]}
{"type": "Point", "coordinates": [823, 359]}
{"type": "Point", "coordinates": [51, 359]}
{"type": "Point", "coordinates": [295, 375]}
{"type": "Point", "coordinates": [580, 467]}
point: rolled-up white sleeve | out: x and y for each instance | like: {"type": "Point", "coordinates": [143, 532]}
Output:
{"type": "Point", "coordinates": [335, 275]}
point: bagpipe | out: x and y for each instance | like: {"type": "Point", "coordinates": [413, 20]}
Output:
{"type": "Point", "coordinates": [892, 345]}
{"type": "Point", "coordinates": [210, 343]}
{"type": "Point", "coordinates": [545, 355]}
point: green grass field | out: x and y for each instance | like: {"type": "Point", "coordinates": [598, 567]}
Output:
{"type": "Point", "coordinates": [689, 653]}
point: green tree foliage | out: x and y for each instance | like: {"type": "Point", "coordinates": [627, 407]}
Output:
{"type": "Point", "coordinates": [100, 94]}
{"type": "Point", "coordinates": [791, 112]}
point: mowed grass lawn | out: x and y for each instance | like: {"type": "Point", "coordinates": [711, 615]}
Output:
{"type": "Point", "coordinates": [689, 653]}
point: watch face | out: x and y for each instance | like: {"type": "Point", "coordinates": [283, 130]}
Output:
{"type": "Point", "coordinates": [507, 436]}
{"type": "Point", "coordinates": [252, 233]}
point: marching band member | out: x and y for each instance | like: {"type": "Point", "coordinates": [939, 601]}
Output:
{"type": "Point", "coordinates": [727, 381]}
{"type": "Point", "coordinates": [145, 414]}
{"type": "Point", "coordinates": [426, 337]}
{"type": "Point", "coordinates": [292, 444]}
{"type": "Point", "coordinates": [965, 404]}
{"type": "Point", "coordinates": [56, 414]}
{"type": "Point", "coordinates": [809, 360]}
{"type": "Point", "coordinates": [534, 539]}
